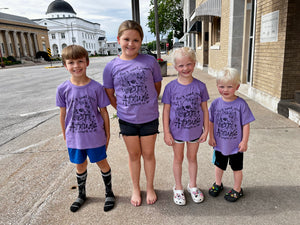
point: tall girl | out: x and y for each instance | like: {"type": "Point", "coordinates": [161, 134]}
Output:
{"type": "Point", "coordinates": [133, 82]}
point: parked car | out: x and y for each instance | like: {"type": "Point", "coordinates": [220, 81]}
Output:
{"type": "Point", "coordinates": [145, 50]}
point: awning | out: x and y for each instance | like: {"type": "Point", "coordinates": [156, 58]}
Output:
{"type": "Point", "coordinates": [196, 27]}
{"type": "Point", "coordinates": [209, 8]}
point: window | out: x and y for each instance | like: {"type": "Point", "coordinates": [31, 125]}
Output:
{"type": "Point", "coordinates": [63, 36]}
{"type": "Point", "coordinates": [199, 40]}
{"type": "Point", "coordinates": [3, 49]}
{"type": "Point", "coordinates": [44, 46]}
{"type": "Point", "coordinates": [216, 30]}
{"type": "Point", "coordinates": [53, 36]}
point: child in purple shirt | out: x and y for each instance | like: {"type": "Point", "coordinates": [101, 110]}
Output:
{"type": "Point", "coordinates": [132, 83]}
{"type": "Point", "coordinates": [229, 129]}
{"type": "Point", "coordinates": [185, 119]}
{"type": "Point", "coordinates": [85, 122]}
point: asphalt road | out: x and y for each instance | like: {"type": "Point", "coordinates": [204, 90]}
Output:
{"type": "Point", "coordinates": [28, 95]}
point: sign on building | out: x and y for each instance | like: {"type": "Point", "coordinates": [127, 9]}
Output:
{"type": "Point", "coordinates": [269, 27]}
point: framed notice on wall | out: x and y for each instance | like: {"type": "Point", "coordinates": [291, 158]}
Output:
{"type": "Point", "coordinates": [269, 27]}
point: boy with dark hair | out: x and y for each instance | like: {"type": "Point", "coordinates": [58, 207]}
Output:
{"type": "Point", "coordinates": [85, 122]}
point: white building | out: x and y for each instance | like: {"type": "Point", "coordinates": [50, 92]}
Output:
{"type": "Point", "coordinates": [113, 48]}
{"type": "Point", "coordinates": [66, 29]}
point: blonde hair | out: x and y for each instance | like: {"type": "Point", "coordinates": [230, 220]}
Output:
{"type": "Point", "coordinates": [182, 52]}
{"type": "Point", "coordinates": [74, 52]}
{"type": "Point", "coordinates": [130, 25]}
{"type": "Point", "coordinates": [228, 74]}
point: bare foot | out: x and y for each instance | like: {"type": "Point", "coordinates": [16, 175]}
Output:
{"type": "Point", "coordinates": [151, 197]}
{"type": "Point", "coordinates": [136, 199]}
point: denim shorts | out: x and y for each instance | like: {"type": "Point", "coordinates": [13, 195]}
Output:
{"type": "Point", "coordinates": [144, 129]}
{"type": "Point", "coordinates": [78, 156]}
{"type": "Point", "coordinates": [235, 160]}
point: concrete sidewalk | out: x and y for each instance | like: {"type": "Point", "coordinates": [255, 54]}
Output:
{"type": "Point", "coordinates": [271, 179]}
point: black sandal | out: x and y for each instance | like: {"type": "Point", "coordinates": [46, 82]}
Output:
{"type": "Point", "coordinates": [233, 196]}
{"type": "Point", "coordinates": [215, 190]}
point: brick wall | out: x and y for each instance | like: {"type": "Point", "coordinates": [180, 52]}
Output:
{"type": "Point", "coordinates": [218, 59]}
{"type": "Point", "coordinates": [291, 68]}
{"type": "Point", "coordinates": [269, 56]}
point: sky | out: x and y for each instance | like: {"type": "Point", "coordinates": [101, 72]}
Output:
{"type": "Point", "coordinates": [108, 13]}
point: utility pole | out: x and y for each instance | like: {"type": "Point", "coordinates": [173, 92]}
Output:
{"type": "Point", "coordinates": [157, 30]}
{"type": "Point", "coordinates": [135, 5]}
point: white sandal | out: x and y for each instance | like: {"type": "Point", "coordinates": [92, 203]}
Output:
{"type": "Point", "coordinates": [179, 197]}
{"type": "Point", "coordinates": [196, 194]}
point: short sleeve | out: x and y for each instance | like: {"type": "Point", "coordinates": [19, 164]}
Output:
{"type": "Point", "coordinates": [205, 95]}
{"type": "Point", "coordinates": [166, 95]}
{"type": "Point", "coordinates": [157, 77]}
{"type": "Point", "coordinates": [103, 100]}
{"type": "Point", "coordinates": [107, 76]}
{"type": "Point", "coordinates": [60, 98]}
{"type": "Point", "coordinates": [211, 112]}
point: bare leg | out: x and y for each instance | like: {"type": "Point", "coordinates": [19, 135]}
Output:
{"type": "Point", "coordinates": [238, 177]}
{"type": "Point", "coordinates": [81, 168]}
{"type": "Point", "coordinates": [134, 151]}
{"type": "Point", "coordinates": [219, 174]}
{"type": "Point", "coordinates": [148, 145]}
{"type": "Point", "coordinates": [192, 149]}
{"type": "Point", "coordinates": [177, 164]}
{"type": "Point", "coordinates": [103, 165]}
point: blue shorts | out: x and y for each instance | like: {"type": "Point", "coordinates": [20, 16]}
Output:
{"type": "Point", "coordinates": [144, 129]}
{"type": "Point", "coordinates": [78, 156]}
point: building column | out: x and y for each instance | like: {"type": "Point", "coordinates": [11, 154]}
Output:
{"type": "Point", "coordinates": [35, 42]}
{"type": "Point", "coordinates": [29, 43]}
{"type": "Point", "coordinates": [23, 44]}
{"type": "Point", "coordinates": [17, 53]}
{"type": "Point", "coordinates": [8, 51]}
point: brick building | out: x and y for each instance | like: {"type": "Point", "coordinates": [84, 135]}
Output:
{"type": "Point", "coordinates": [258, 37]}
{"type": "Point", "coordinates": [21, 37]}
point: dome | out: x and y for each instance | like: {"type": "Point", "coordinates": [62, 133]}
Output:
{"type": "Point", "coordinates": [60, 6]}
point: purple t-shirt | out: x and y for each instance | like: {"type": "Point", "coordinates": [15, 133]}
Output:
{"type": "Point", "coordinates": [133, 81]}
{"type": "Point", "coordinates": [229, 119]}
{"type": "Point", "coordinates": [84, 123]}
{"type": "Point", "coordinates": [186, 115]}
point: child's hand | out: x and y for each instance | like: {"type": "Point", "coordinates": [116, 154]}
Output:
{"type": "Point", "coordinates": [168, 138]}
{"type": "Point", "coordinates": [212, 142]}
{"type": "Point", "coordinates": [243, 146]}
{"type": "Point", "coordinates": [203, 137]}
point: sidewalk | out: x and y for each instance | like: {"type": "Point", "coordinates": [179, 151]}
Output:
{"type": "Point", "coordinates": [271, 180]}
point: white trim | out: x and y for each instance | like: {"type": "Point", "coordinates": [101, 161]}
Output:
{"type": "Point", "coordinates": [215, 47]}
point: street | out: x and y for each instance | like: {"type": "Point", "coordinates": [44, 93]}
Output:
{"type": "Point", "coordinates": [28, 95]}
{"type": "Point", "coordinates": [38, 183]}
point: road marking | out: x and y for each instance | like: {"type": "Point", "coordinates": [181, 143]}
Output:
{"type": "Point", "coordinates": [38, 112]}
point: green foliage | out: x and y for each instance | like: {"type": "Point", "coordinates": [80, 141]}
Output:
{"type": "Point", "coordinates": [43, 54]}
{"type": "Point", "coordinates": [170, 17]}
{"type": "Point", "coordinates": [10, 60]}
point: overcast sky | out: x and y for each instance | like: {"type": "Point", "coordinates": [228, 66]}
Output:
{"type": "Point", "coordinates": [108, 13]}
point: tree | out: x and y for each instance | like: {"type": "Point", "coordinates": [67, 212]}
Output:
{"type": "Point", "coordinates": [170, 17]}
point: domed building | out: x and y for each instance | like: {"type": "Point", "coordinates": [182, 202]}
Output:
{"type": "Point", "coordinates": [66, 29]}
